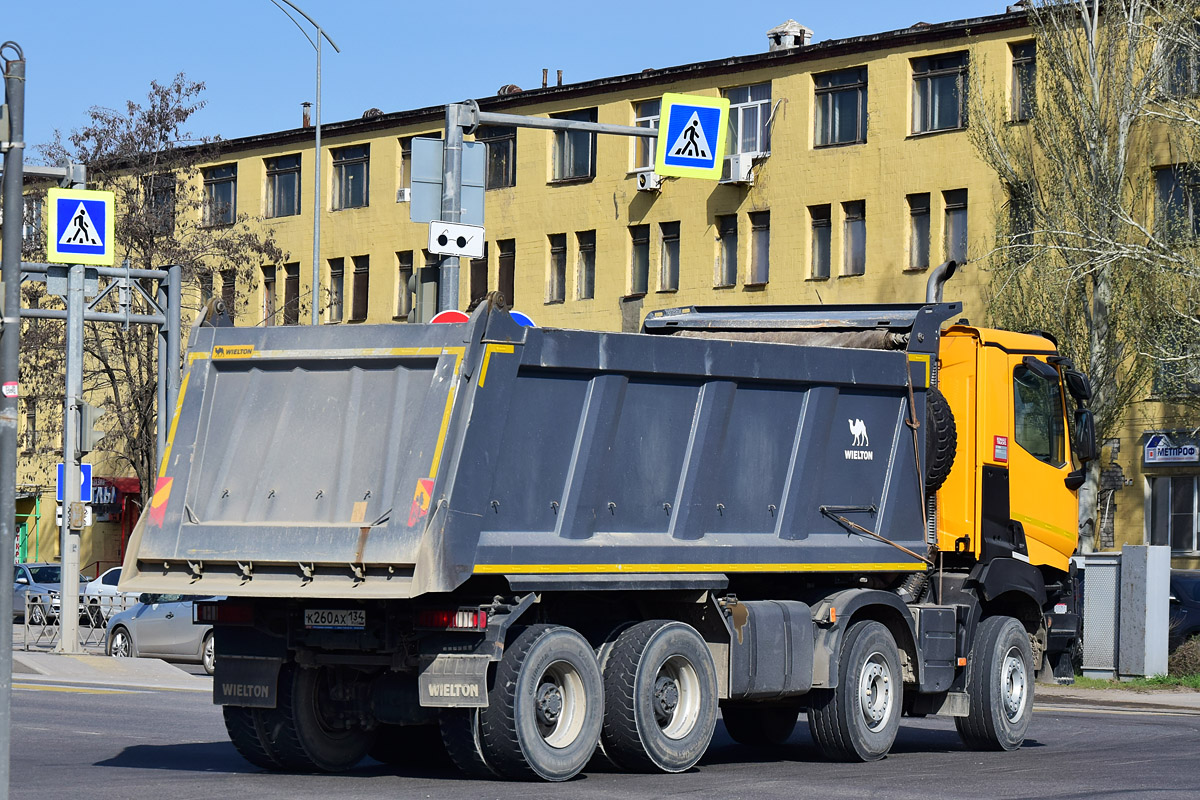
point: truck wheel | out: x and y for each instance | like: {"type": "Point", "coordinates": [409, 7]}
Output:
{"type": "Point", "coordinates": [249, 739]}
{"type": "Point", "coordinates": [460, 736]}
{"type": "Point", "coordinates": [999, 685]}
{"type": "Point", "coordinates": [660, 689]}
{"type": "Point", "coordinates": [760, 726]}
{"type": "Point", "coordinates": [544, 714]}
{"type": "Point", "coordinates": [408, 746]}
{"type": "Point", "coordinates": [858, 720]}
{"type": "Point", "coordinates": [303, 733]}
{"type": "Point", "coordinates": [941, 440]}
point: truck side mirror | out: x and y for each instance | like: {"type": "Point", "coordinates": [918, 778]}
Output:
{"type": "Point", "coordinates": [1079, 386]}
{"type": "Point", "coordinates": [1085, 436]}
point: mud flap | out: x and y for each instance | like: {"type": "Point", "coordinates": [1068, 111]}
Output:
{"type": "Point", "coordinates": [249, 681]}
{"type": "Point", "coordinates": [453, 681]}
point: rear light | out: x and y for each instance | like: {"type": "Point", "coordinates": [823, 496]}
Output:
{"type": "Point", "coordinates": [222, 613]}
{"type": "Point", "coordinates": [1060, 608]}
{"type": "Point", "coordinates": [463, 619]}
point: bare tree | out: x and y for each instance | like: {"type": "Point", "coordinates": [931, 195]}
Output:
{"type": "Point", "coordinates": [166, 214]}
{"type": "Point", "coordinates": [1098, 240]}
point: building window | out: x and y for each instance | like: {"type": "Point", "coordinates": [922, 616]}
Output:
{"type": "Point", "coordinates": [1021, 220]}
{"type": "Point", "coordinates": [229, 291]}
{"type": "Point", "coordinates": [556, 280]}
{"type": "Point", "coordinates": [360, 290]}
{"type": "Point", "coordinates": [841, 107]}
{"type": "Point", "coordinates": [404, 273]}
{"type": "Point", "coordinates": [821, 229]}
{"type": "Point", "coordinates": [639, 259]}
{"type": "Point", "coordinates": [939, 93]}
{"type": "Point", "coordinates": [220, 195]}
{"type": "Point", "coordinates": [1038, 426]}
{"type": "Point", "coordinates": [669, 272]}
{"type": "Point", "coordinates": [337, 287]}
{"type": "Point", "coordinates": [586, 282]}
{"type": "Point", "coordinates": [268, 295]}
{"type": "Point", "coordinates": [645, 115]}
{"type": "Point", "coordinates": [1182, 68]}
{"type": "Point", "coordinates": [1177, 194]}
{"type": "Point", "coordinates": [206, 286]}
{"type": "Point", "coordinates": [31, 429]}
{"type": "Point", "coordinates": [31, 229]}
{"type": "Point", "coordinates": [956, 225]}
{"type": "Point", "coordinates": [479, 275]}
{"type": "Point", "coordinates": [727, 250]}
{"type": "Point", "coordinates": [918, 231]}
{"type": "Point", "coordinates": [854, 238]}
{"type": "Point", "coordinates": [283, 186]}
{"type": "Point", "coordinates": [501, 156]}
{"type": "Point", "coordinates": [351, 175]}
{"type": "Point", "coordinates": [160, 203]}
{"type": "Point", "coordinates": [760, 247]}
{"type": "Point", "coordinates": [1024, 81]}
{"type": "Point", "coordinates": [1175, 512]}
{"type": "Point", "coordinates": [291, 294]}
{"type": "Point", "coordinates": [506, 265]}
{"type": "Point", "coordinates": [575, 151]}
{"type": "Point", "coordinates": [749, 118]}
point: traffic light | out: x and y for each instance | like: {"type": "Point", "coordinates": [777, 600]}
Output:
{"type": "Point", "coordinates": [89, 434]}
{"type": "Point", "coordinates": [423, 287]}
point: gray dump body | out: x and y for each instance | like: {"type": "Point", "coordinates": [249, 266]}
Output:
{"type": "Point", "coordinates": [397, 460]}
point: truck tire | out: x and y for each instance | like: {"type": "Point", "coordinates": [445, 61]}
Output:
{"type": "Point", "coordinates": [759, 725]}
{"type": "Point", "coordinates": [408, 746]}
{"type": "Point", "coordinates": [858, 720]}
{"type": "Point", "coordinates": [460, 736]}
{"type": "Point", "coordinates": [299, 731]}
{"type": "Point", "coordinates": [660, 690]}
{"type": "Point", "coordinates": [941, 440]}
{"type": "Point", "coordinates": [999, 685]}
{"type": "Point", "coordinates": [249, 739]}
{"type": "Point", "coordinates": [545, 710]}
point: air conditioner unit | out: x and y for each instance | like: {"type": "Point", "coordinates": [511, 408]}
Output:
{"type": "Point", "coordinates": [741, 168]}
{"type": "Point", "coordinates": [403, 195]}
{"type": "Point", "coordinates": [649, 182]}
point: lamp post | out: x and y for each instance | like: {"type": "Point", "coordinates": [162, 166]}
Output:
{"type": "Point", "coordinates": [316, 265]}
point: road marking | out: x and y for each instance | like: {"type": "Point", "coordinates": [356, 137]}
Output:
{"type": "Point", "coordinates": [1164, 712]}
{"type": "Point", "coordinates": [38, 687]}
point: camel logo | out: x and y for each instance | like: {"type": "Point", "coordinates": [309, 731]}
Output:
{"type": "Point", "coordinates": [858, 429]}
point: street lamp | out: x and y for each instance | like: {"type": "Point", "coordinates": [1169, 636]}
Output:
{"type": "Point", "coordinates": [316, 266]}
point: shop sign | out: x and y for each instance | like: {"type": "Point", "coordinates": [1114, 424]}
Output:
{"type": "Point", "coordinates": [1161, 450]}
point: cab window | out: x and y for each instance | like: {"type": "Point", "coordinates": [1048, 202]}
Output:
{"type": "Point", "coordinates": [1039, 427]}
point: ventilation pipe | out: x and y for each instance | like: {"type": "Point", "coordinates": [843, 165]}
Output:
{"type": "Point", "coordinates": [941, 273]}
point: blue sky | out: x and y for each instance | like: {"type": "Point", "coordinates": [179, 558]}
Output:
{"type": "Point", "coordinates": [258, 67]}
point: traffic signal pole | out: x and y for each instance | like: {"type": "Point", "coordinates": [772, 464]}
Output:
{"type": "Point", "coordinates": [13, 146]}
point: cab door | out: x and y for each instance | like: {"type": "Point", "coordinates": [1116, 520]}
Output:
{"type": "Point", "coordinates": [1039, 460]}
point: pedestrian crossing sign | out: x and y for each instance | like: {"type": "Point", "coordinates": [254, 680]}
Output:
{"type": "Point", "coordinates": [80, 227]}
{"type": "Point", "coordinates": [691, 136]}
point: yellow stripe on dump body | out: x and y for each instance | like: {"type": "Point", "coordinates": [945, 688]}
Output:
{"type": "Point", "coordinates": [487, 357]}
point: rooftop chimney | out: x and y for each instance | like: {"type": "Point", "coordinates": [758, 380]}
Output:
{"type": "Point", "coordinates": [305, 119]}
{"type": "Point", "coordinates": [788, 35]}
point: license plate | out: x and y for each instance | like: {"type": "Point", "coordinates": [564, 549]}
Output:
{"type": "Point", "coordinates": [335, 619]}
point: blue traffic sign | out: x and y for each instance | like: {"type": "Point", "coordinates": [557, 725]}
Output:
{"type": "Point", "coordinates": [691, 139]}
{"type": "Point", "coordinates": [81, 226]}
{"type": "Point", "coordinates": [85, 482]}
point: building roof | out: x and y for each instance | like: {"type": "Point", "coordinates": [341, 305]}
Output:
{"type": "Point", "coordinates": [919, 33]}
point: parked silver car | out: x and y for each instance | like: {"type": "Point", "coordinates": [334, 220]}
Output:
{"type": "Point", "coordinates": [44, 582]}
{"type": "Point", "coordinates": [160, 626]}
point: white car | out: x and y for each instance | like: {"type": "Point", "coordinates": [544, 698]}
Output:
{"type": "Point", "coordinates": [102, 593]}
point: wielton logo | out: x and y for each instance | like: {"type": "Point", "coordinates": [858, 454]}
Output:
{"type": "Point", "coordinates": [858, 429]}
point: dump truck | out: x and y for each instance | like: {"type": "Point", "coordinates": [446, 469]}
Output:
{"type": "Point", "coordinates": [530, 547]}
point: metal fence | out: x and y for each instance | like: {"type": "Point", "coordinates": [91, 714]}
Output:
{"type": "Point", "coordinates": [43, 619]}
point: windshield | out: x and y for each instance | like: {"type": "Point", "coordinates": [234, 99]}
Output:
{"type": "Point", "coordinates": [50, 573]}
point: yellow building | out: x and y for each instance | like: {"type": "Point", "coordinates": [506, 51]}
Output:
{"type": "Point", "coordinates": [850, 173]}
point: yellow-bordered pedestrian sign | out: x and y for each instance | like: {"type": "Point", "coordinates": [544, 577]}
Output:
{"type": "Point", "coordinates": [691, 136]}
{"type": "Point", "coordinates": [80, 227]}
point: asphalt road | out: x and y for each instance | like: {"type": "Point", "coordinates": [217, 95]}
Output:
{"type": "Point", "coordinates": [104, 743]}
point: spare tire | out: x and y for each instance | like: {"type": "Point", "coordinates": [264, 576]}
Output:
{"type": "Point", "coordinates": [941, 440]}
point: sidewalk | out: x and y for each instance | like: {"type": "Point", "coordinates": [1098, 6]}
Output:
{"type": "Point", "coordinates": [1179, 701]}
